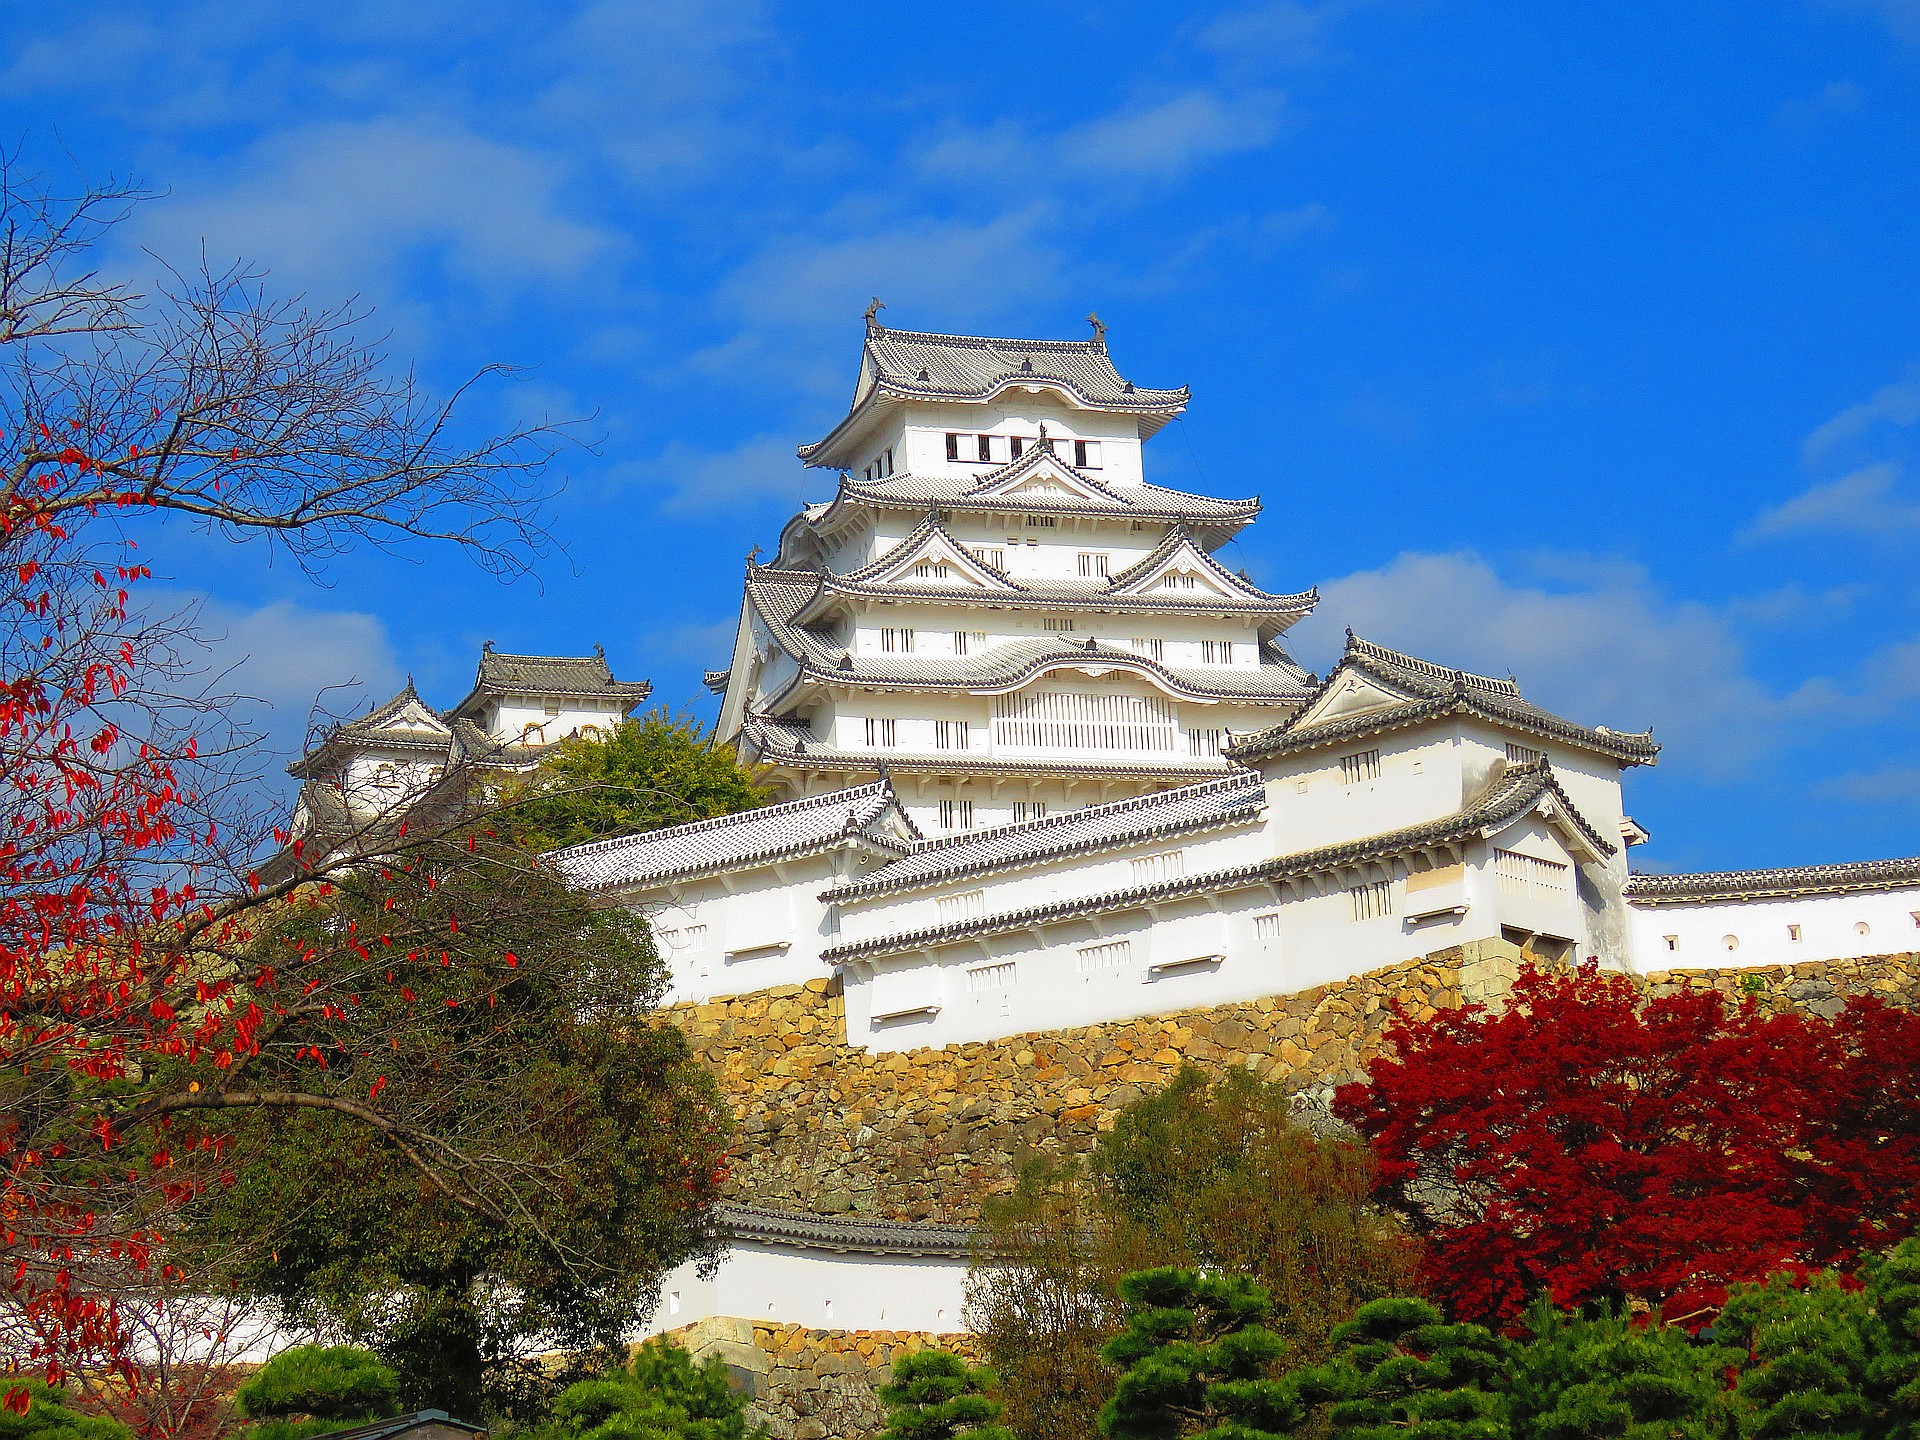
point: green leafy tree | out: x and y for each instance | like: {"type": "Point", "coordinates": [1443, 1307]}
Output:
{"type": "Point", "coordinates": [613, 1137]}
{"type": "Point", "coordinates": [1806, 1372]}
{"type": "Point", "coordinates": [1206, 1174]}
{"type": "Point", "coordinates": [328, 1382]}
{"type": "Point", "coordinates": [935, 1395]}
{"type": "Point", "coordinates": [661, 1395]}
{"type": "Point", "coordinates": [1401, 1370]}
{"type": "Point", "coordinates": [1610, 1377]}
{"type": "Point", "coordinates": [1197, 1360]}
{"type": "Point", "coordinates": [646, 773]}
{"type": "Point", "coordinates": [38, 1411]}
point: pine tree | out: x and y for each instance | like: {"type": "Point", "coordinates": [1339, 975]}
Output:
{"type": "Point", "coordinates": [1197, 1353]}
{"type": "Point", "coordinates": [1403, 1373]}
{"type": "Point", "coordinates": [1608, 1377]}
{"type": "Point", "coordinates": [935, 1395]}
{"type": "Point", "coordinates": [1893, 1369]}
{"type": "Point", "coordinates": [1807, 1375]}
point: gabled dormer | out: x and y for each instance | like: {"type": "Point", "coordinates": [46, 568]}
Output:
{"type": "Point", "coordinates": [1178, 568]}
{"type": "Point", "coordinates": [931, 558]}
{"type": "Point", "coordinates": [1041, 474]}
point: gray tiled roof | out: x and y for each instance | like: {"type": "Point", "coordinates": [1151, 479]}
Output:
{"type": "Point", "coordinates": [846, 1233]}
{"type": "Point", "coordinates": [1099, 594]}
{"type": "Point", "coordinates": [1434, 691]}
{"type": "Point", "coordinates": [777, 595]}
{"type": "Point", "coordinates": [1510, 796]}
{"type": "Point", "coordinates": [370, 731]}
{"type": "Point", "coordinates": [1232, 799]}
{"type": "Point", "coordinates": [1136, 502]}
{"type": "Point", "coordinates": [796, 827]}
{"type": "Point", "coordinates": [1776, 884]}
{"type": "Point", "coordinates": [921, 365]}
{"type": "Point", "coordinates": [583, 675]}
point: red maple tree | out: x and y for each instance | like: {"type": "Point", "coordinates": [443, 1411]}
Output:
{"type": "Point", "coordinates": [1586, 1142]}
{"type": "Point", "coordinates": [151, 982]}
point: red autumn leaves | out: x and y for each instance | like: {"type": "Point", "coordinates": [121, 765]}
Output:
{"type": "Point", "coordinates": [1587, 1143]}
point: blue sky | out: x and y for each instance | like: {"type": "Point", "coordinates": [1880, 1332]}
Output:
{"type": "Point", "coordinates": [1581, 342]}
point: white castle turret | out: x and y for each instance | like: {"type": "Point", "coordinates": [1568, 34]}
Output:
{"type": "Point", "coordinates": [996, 605]}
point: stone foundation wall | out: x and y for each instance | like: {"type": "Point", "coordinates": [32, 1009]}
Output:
{"type": "Point", "coordinates": [923, 1134]}
{"type": "Point", "coordinates": [811, 1384]}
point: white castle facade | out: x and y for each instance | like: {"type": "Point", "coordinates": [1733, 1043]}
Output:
{"type": "Point", "coordinates": [1045, 762]}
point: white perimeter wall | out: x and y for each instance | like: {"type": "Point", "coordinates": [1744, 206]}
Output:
{"type": "Point", "coordinates": [1727, 934]}
{"type": "Point", "coordinates": [821, 1289]}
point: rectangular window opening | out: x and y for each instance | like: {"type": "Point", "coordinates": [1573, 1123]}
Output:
{"type": "Point", "coordinates": [1523, 754]}
{"type": "Point", "coordinates": [1108, 955]}
{"type": "Point", "coordinates": [968, 905]}
{"type": "Point", "coordinates": [1360, 766]}
{"type": "Point", "coordinates": [882, 732]}
{"type": "Point", "coordinates": [1372, 901]}
{"type": "Point", "coordinates": [950, 735]}
{"type": "Point", "coordinates": [1093, 565]}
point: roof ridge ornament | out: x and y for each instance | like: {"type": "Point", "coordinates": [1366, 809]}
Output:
{"type": "Point", "coordinates": [1099, 329]}
{"type": "Point", "coordinates": [874, 307]}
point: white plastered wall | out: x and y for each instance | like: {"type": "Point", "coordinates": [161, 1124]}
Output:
{"type": "Point", "coordinates": [1732, 934]}
{"type": "Point", "coordinates": [820, 1289]}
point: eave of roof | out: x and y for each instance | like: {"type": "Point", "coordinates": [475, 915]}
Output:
{"type": "Point", "coordinates": [845, 1234]}
{"type": "Point", "coordinates": [1510, 797]}
{"type": "Point", "coordinates": [1154, 503]}
{"type": "Point", "coordinates": [1241, 798]}
{"type": "Point", "coordinates": [864, 804]}
{"type": "Point", "coordinates": [1436, 694]}
{"type": "Point", "coordinates": [776, 749]}
{"type": "Point", "coordinates": [1775, 884]}
{"type": "Point", "coordinates": [898, 366]}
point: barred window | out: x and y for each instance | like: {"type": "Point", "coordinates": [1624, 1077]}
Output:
{"type": "Point", "coordinates": [969, 642]}
{"type": "Point", "coordinates": [1267, 926]}
{"type": "Point", "coordinates": [1029, 810]}
{"type": "Point", "coordinates": [1372, 901]}
{"type": "Point", "coordinates": [882, 732]}
{"type": "Point", "coordinates": [1093, 564]}
{"type": "Point", "coordinates": [968, 905]}
{"type": "Point", "coordinates": [1068, 720]}
{"type": "Point", "coordinates": [932, 570]}
{"type": "Point", "coordinates": [1107, 955]}
{"type": "Point", "coordinates": [1086, 454]}
{"type": "Point", "coordinates": [1216, 652]}
{"type": "Point", "coordinates": [1206, 742]}
{"type": "Point", "coordinates": [994, 555]}
{"type": "Point", "coordinates": [1041, 522]}
{"type": "Point", "coordinates": [1152, 649]}
{"type": "Point", "coordinates": [1522, 754]}
{"type": "Point", "coordinates": [896, 640]}
{"type": "Point", "coordinates": [956, 814]}
{"type": "Point", "coordinates": [1362, 765]}
{"type": "Point", "coordinates": [949, 734]}
{"type": "Point", "coordinates": [991, 977]}
{"type": "Point", "coordinates": [1152, 869]}
{"type": "Point", "coordinates": [1519, 874]}
{"type": "Point", "coordinates": [1058, 624]}
{"type": "Point", "coordinates": [1179, 582]}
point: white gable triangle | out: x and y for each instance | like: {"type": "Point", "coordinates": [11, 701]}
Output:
{"type": "Point", "coordinates": [415, 716]}
{"type": "Point", "coordinates": [934, 558]}
{"type": "Point", "coordinates": [1352, 693]}
{"type": "Point", "coordinates": [1183, 572]}
{"type": "Point", "coordinates": [1042, 475]}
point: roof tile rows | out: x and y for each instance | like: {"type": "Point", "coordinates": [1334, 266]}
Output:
{"type": "Point", "coordinates": [846, 1234]}
{"type": "Point", "coordinates": [795, 827]}
{"type": "Point", "coordinates": [777, 595]}
{"type": "Point", "coordinates": [1776, 884]}
{"type": "Point", "coordinates": [1510, 796]}
{"type": "Point", "coordinates": [1235, 798]}
{"type": "Point", "coordinates": [1432, 690]}
{"type": "Point", "coordinates": [924, 365]}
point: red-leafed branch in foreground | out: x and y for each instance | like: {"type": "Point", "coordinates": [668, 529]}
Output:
{"type": "Point", "coordinates": [1586, 1142]}
{"type": "Point", "coordinates": [152, 986]}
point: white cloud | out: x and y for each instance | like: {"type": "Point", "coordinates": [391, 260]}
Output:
{"type": "Point", "coordinates": [1162, 140]}
{"type": "Point", "coordinates": [1166, 140]}
{"type": "Point", "coordinates": [355, 206]}
{"type": "Point", "coordinates": [1889, 785]}
{"type": "Point", "coordinates": [1863, 502]}
{"type": "Point", "coordinates": [1606, 648]}
{"type": "Point", "coordinates": [1285, 33]}
{"type": "Point", "coordinates": [1896, 404]}
{"type": "Point", "coordinates": [760, 468]}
